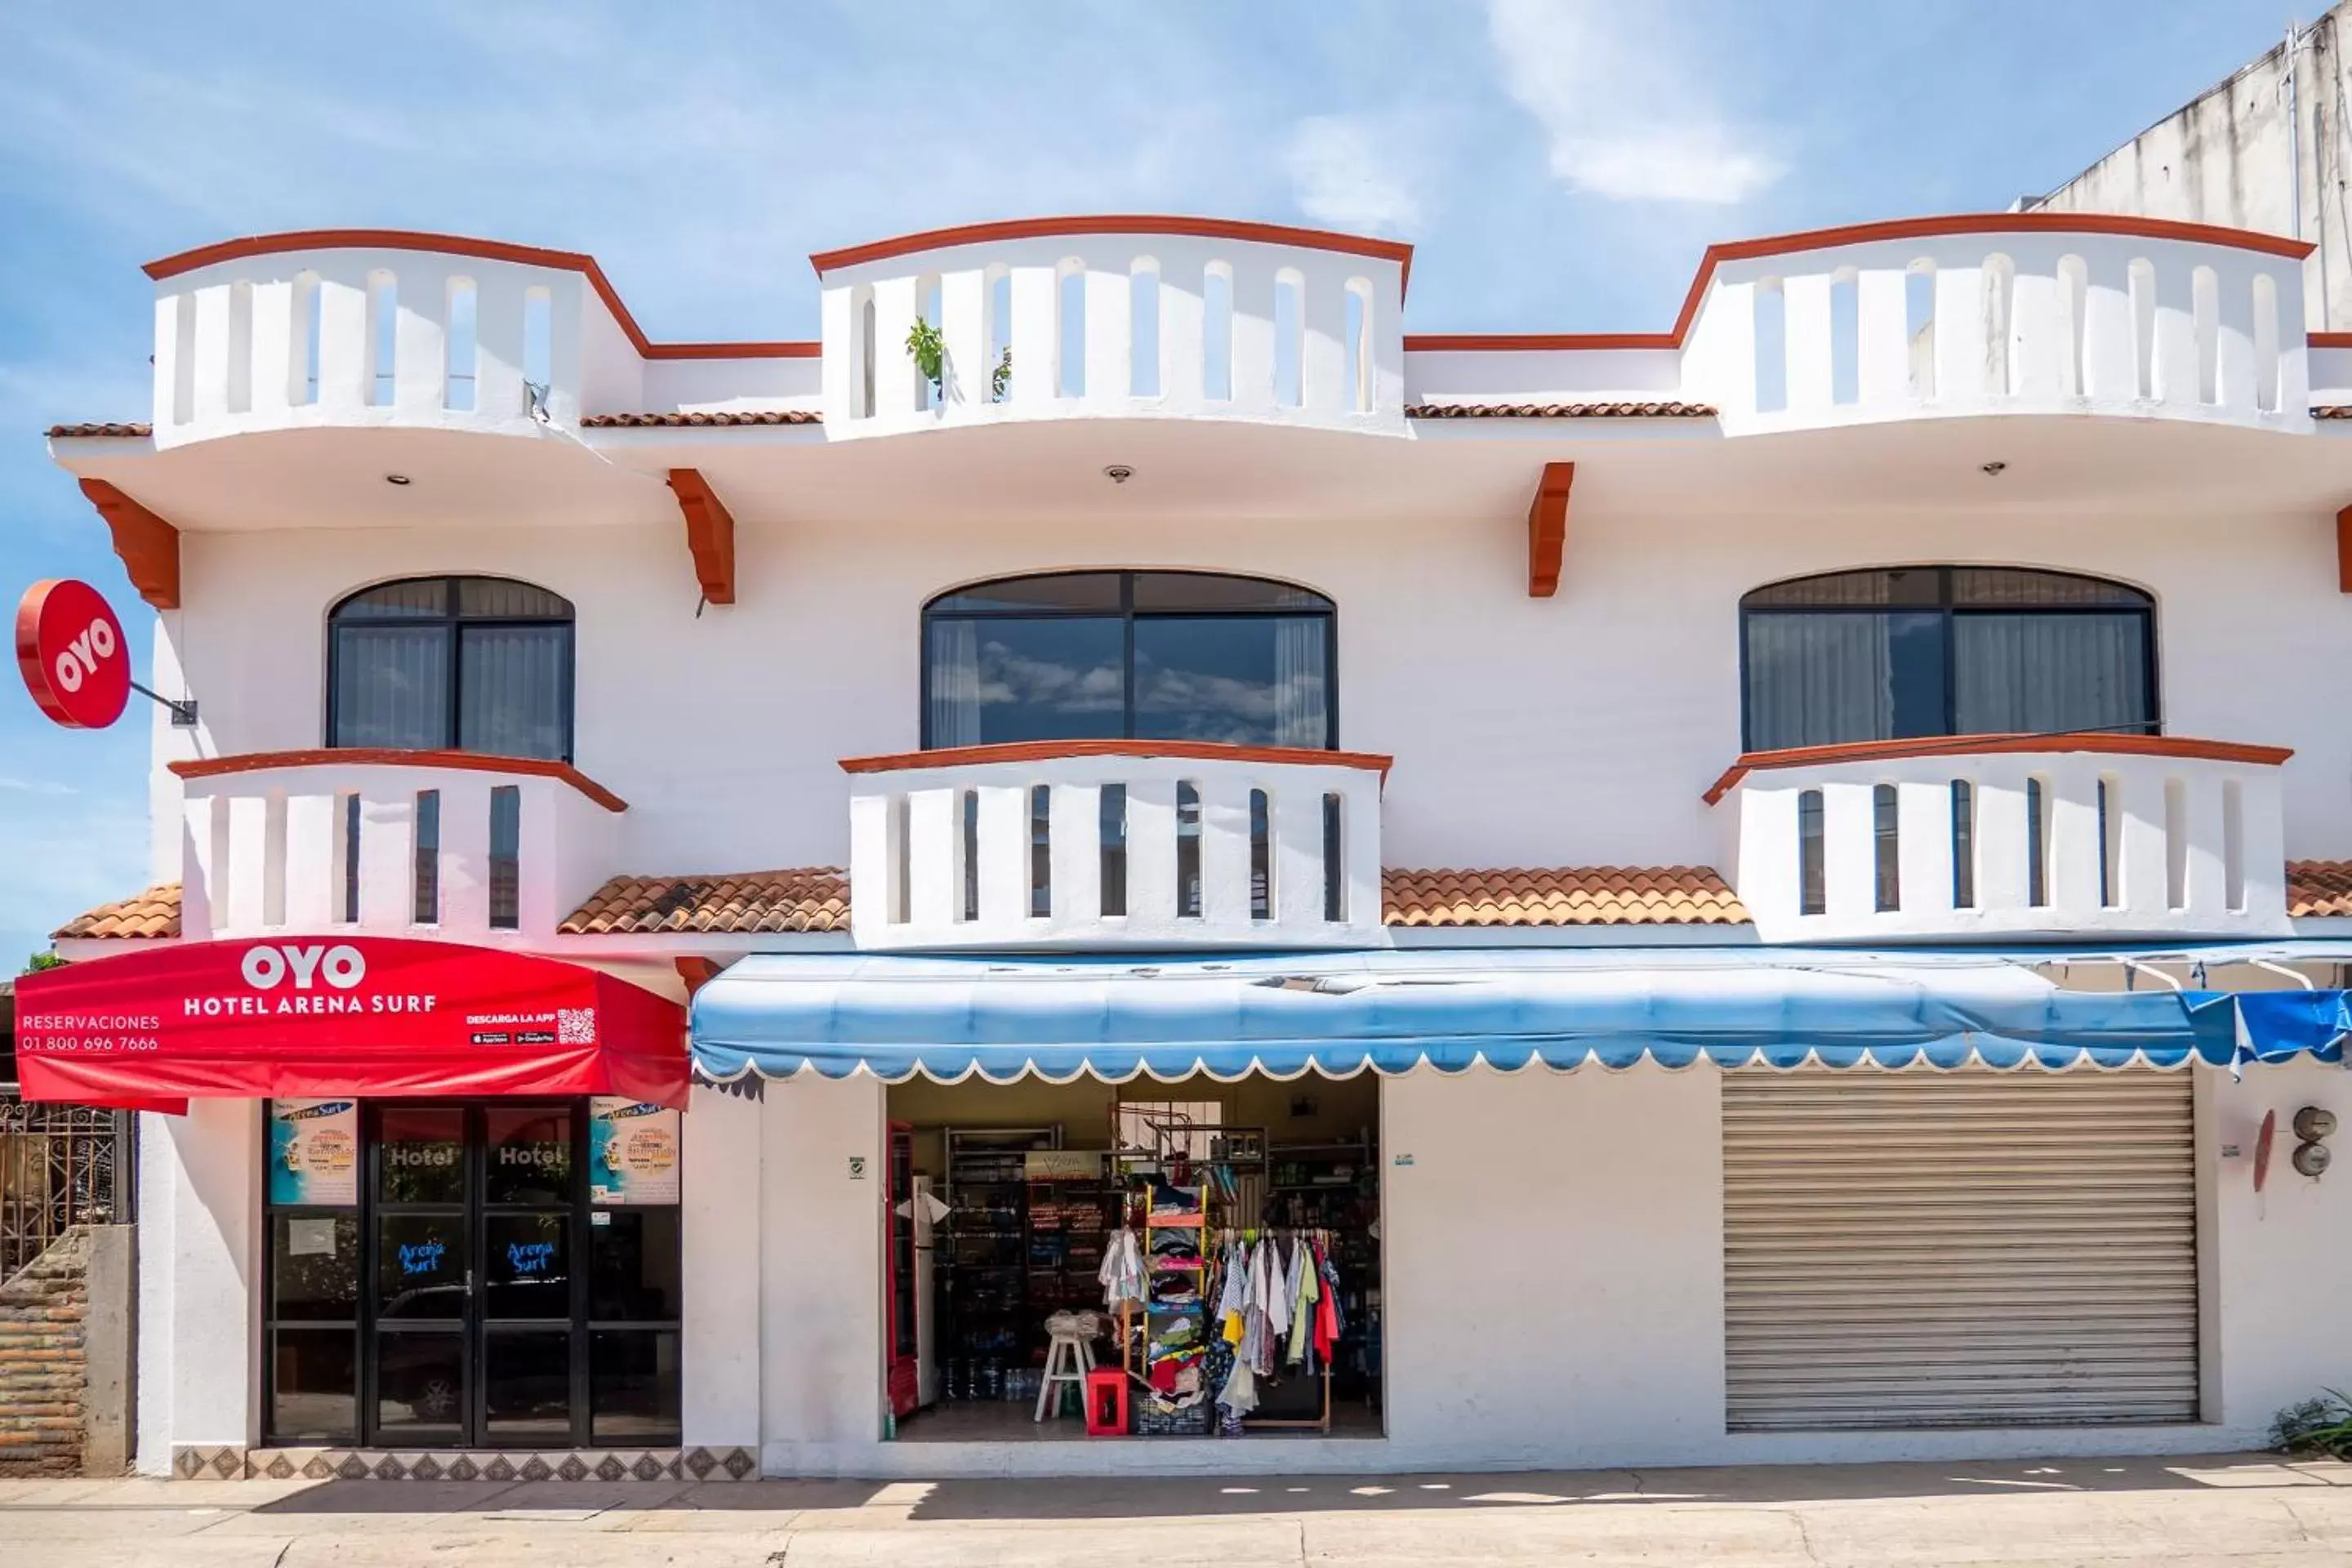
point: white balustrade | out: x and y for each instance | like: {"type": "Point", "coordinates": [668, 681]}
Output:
{"type": "Point", "coordinates": [2157, 839]}
{"type": "Point", "coordinates": [961, 850]}
{"type": "Point", "coordinates": [1295, 333]}
{"type": "Point", "coordinates": [287, 848]}
{"type": "Point", "coordinates": [382, 336]}
{"type": "Point", "coordinates": [1994, 322]}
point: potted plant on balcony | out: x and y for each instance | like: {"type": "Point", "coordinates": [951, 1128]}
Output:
{"type": "Point", "coordinates": [927, 348]}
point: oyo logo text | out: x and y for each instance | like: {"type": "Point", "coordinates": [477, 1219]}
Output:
{"type": "Point", "coordinates": [268, 965]}
{"type": "Point", "coordinates": [71, 653]}
{"type": "Point", "coordinates": [77, 660]}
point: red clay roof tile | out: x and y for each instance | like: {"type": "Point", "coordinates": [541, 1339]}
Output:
{"type": "Point", "coordinates": [1559, 411]}
{"type": "Point", "coordinates": [748, 416]}
{"type": "Point", "coordinates": [153, 913]}
{"type": "Point", "coordinates": [1573, 896]}
{"type": "Point", "coordinates": [61, 431]}
{"type": "Point", "coordinates": [804, 898]}
{"type": "Point", "coordinates": [2318, 887]}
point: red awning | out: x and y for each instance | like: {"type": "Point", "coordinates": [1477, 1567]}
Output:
{"type": "Point", "coordinates": [340, 1015]}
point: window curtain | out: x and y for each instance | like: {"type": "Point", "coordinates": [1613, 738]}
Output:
{"type": "Point", "coordinates": [1301, 682]}
{"type": "Point", "coordinates": [511, 702]}
{"type": "Point", "coordinates": [2045, 674]}
{"type": "Point", "coordinates": [1818, 681]}
{"type": "Point", "coordinates": [392, 686]}
{"type": "Point", "coordinates": [954, 718]}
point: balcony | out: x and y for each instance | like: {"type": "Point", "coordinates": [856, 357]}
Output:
{"type": "Point", "coordinates": [361, 328]}
{"type": "Point", "coordinates": [2018, 313]}
{"type": "Point", "coordinates": [316, 841]}
{"type": "Point", "coordinates": [1116, 318]}
{"type": "Point", "coordinates": [2008, 837]}
{"type": "Point", "coordinates": [1115, 844]}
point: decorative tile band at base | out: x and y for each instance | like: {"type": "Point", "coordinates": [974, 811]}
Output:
{"type": "Point", "coordinates": [194, 1463]}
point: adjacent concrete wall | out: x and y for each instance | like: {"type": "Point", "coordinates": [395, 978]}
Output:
{"type": "Point", "coordinates": [2235, 156]}
{"type": "Point", "coordinates": [1553, 1265]}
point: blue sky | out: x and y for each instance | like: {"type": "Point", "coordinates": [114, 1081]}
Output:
{"type": "Point", "coordinates": [1558, 164]}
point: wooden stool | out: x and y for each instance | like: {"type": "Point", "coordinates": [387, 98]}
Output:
{"type": "Point", "coordinates": [1069, 1357]}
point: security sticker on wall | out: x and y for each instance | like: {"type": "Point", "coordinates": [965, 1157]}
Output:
{"type": "Point", "coordinates": [1402, 1160]}
{"type": "Point", "coordinates": [857, 1167]}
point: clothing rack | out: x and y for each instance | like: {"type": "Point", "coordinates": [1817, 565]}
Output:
{"type": "Point", "coordinates": [1320, 1237]}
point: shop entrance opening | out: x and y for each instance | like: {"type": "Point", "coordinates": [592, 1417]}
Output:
{"type": "Point", "coordinates": [1007, 1202]}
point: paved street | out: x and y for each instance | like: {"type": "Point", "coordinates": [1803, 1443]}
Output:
{"type": "Point", "coordinates": [2249, 1509]}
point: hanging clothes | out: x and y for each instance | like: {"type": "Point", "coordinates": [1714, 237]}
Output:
{"type": "Point", "coordinates": [1327, 1309]}
{"type": "Point", "coordinates": [1122, 1271]}
{"type": "Point", "coordinates": [1282, 1291]}
{"type": "Point", "coordinates": [1305, 1287]}
{"type": "Point", "coordinates": [1256, 1348]}
{"type": "Point", "coordinates": [1239, 1395]}
{"type": "Point", "coordinates": [1233, 1298]}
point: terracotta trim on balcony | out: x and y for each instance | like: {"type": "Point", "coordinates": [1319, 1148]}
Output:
{"type": "Point", "coordinates": [2328, 339]}
{"type": "Point", "coordinates": [2344, 550]}
{"type": "Point", "coordinates": [488, 250]}
{"type": "Point", "coordinates": [1865, 233]}
{"type": "Point", "coordinates": [392, 757]}
{"type": "Point", "coordinates": [149, 545]}
{"type": "Point", "coordinates": [1533, 343]}
{"type": "Point", "coordinates": [1056, 751]}
{"type": "Point", "coordinates": [1983, 746]}
{"type": "Point", "coordinates": [1123, 223]}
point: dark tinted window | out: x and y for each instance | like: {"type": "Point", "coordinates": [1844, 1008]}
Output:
{"type": "Point", "coordinates": [474, 664]}
{"type": "Point", "coordinates": [1130, 655]}
{"type": "Point", "coordinates": [1945, 651]}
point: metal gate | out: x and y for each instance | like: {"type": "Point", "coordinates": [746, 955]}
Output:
{"type": "Point", "coordinates": [1974, 1248]}
{"type": "Point", "coordinates": [59, 1166]}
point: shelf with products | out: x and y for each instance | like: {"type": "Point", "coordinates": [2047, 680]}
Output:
{"type": "Point", "coordinates": [986, 1311]}
{"type": "Point", "coordinates": [1167, 1344]}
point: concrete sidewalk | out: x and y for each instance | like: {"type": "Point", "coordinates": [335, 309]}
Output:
{"type": "Point", "coordinates": [2239, 1509]}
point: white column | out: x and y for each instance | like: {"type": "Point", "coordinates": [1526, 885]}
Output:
{"type": "Point", "coordinates": [720, 1217]}
{"type": "Point", "coordinates": [199, 1265]}
{"type": "Point", "coordinates": [820, 1242]}
{"type": "Point", "coordinates": [1110, 326]}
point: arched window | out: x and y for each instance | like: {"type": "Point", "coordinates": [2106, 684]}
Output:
{"type": "Point", "coordinates": [1944, 650]}
{"type": "Point", "coordinates": [1161, 655]}
{"type": "Point", "coordinates": [470, 663]}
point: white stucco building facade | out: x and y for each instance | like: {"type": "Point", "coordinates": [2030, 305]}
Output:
{"type": "Point", "coordinates": [1533, 749]}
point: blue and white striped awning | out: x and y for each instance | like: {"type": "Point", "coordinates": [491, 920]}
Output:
{"type": "Point", "coordinates": [949, 1018]}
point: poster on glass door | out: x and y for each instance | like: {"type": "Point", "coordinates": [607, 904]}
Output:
{"type": "Point", "coordinates": [631, 1152]}
{"type": "Point", "coordinates": [314, 1152]}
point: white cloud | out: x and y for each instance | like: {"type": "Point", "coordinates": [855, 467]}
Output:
{"type": "Point", "coordinates": [1339, 175]}
{"type": "Point", "coordinates": [37, 786]}
{"type": "Point", "coordinates": [1625, 116]}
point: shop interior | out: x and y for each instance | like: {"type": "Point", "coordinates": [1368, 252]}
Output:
{"type": "Point", "coordinates": [1195, 1259]}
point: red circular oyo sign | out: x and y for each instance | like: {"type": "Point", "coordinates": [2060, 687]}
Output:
{"type": "Point", "coordinates": [70, 647]}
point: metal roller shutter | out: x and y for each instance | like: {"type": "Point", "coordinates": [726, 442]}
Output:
{"type": "Point", "coordinates": [1923, 1248]}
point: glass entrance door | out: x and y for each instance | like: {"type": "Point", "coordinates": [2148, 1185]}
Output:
{"type": "Point", "coordinates": [472, 1288]}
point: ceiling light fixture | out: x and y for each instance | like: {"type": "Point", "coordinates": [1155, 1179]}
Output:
{"type": "Point", "coordinates": [1994, 468]}
{"type": "Point", "coordinates": [395, 478]}
{"type": "Point", "coordinates": [1118, 473]}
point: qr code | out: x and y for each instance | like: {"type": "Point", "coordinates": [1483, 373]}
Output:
{"type": "Point", "coordinates": [575, 1025]}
